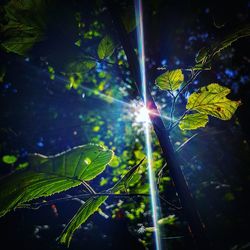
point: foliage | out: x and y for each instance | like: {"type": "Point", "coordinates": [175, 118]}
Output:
{"type": "Point", "coordinates": [85, 211]}
{"type": "Point", "coordinates": [49, 175]}
{"type": "Point", "coordinates": [193, 121]}
{"type": "Point", "coordinates": [211, 100]}
{"type": "Point", "coordinates": [170, 80]}
{"type": "Point", "coordinates": [91, 69]}
{"type": "Point", "coordinates": [106, 47]}
{"type": "Point", "coordinates": [25, 25]}
{"type": "Point", "coordinates": [9, 159]}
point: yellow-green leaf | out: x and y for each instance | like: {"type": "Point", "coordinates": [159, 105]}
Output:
{"type": "Point", "coordinates": [212, 100]}
{"type": "Point", "coordinates": [193, 121]}
{"type": "Point", "coordinates": [85, 211]}
{"type": "Point", "coordinates": [170, 80]}
{"type": "Point", "coordinates": [106, 47]}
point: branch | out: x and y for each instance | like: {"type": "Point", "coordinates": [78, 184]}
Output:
{"type": "Point", "coordinates": [37, 205]}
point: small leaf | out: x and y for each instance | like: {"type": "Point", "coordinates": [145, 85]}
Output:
{"type": "Point", "coordinates": [211, 100]}
{"type": "Point", "coordinates": [106, 47]}
{"type": "Point", "coordinates": [84, 212]}
{"type": "Point", "coordinates": [201, 55]}
{"type": "Point", "coordinates": [128, 19]}
{"type": "Point", "coordinates": [169, 220]}
{"type": "Point", "coordinates": [193, 121]}
{"type": "Point", "coordinates": [124, 181]}
{"type": "Point", "coordinates": [9, 159]}
{"type": "Point", "coordinates": [170, 80]}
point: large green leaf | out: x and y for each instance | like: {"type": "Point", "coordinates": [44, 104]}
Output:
{"type": "Point", "coordinates": [49, 175]}
{"type": "Point", "coordinates": [25, 25]}
{"type": "Point", "coordinates": [212, 100]}
{"type": "Point", "coordinates": [170, 80]}
{"type": "Point", "coordinates": [106, 47]}
{"type": "Point", "coordinates": [85, 211]}
{"type": "Point", "coordinates": [193, 121]}
{"type": "Point", "coordinates": [92, 204]}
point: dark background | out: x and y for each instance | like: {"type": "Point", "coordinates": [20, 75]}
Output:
{"type": "Point", "coordinates": [220, 174]}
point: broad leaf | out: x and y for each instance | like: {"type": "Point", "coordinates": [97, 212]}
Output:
{"type": "Point", "coordinates": [49, 175]}
{"type": "Point", "coordinates": [85, 211]}
{"type": "Point", "coordinates": [106, 47]}
{"type": "Point", "coordinates": [170, 80]}
{"type": "Point", "coordinates": [25, 25]}
{"type": "Point", "coordinates": [212, 100]}
{"type": "Point", "coordinates": [92, 204]}
{"type": "Point", "coordinates": [193, 121]}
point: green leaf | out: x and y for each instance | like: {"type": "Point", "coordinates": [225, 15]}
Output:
{"type": "Point", "coordinates": [92, 205]}
{"type": "Point", "coordinates": [170, 80]}
{"type": "Point", "coordinates": [106, 47]}
{"type": "Point", "coordinates": [48, 175]}
{"type": "Point", "coordinates": [124, 181]}
{"type": "Point", "coordinates": [25, 25]}
{"type": "Point", "coordinates": [228, 40]}
{"type": "Point", "coordinates": [202, 55]}
{"type": "Point", "coordinates": [212, 100]}
{"type": "Point", "coordinates": [193, 121]}
{"type": "Point", "coordinates": [85, 211]}
{"type": "Point", "coordinates": [9, 159]}
{"type": "Point", "coordinates": [128, 19]}
{"type": "Point", "coordinates": [169, 220]}
{"type": "Point", "coordinates": [80, 67]}
{"type": "Point", "coordinates": [205, 55]}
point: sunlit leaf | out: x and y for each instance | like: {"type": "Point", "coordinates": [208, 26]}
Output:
{"type": "Point", "coordinates": [193, 121]}
{"type": "Point", "coordinates": [47, 175]}
{"type": "Point", "coordinates": [124, 181]}
{"type": "Point", "coordinates": [106, 47]}
{"type": "Point", "coordinates": [85, 211]}
{"type": "Point", "coordinates": [212, 100]}
{"type": "Point", "coordinates": [170, 80]}
{"type": "Point", "coordinates": [9, 159]}
{"type": "Point", "coordinates": [92, 205]}
{"type": "Point", "coordinates": [169, 220]}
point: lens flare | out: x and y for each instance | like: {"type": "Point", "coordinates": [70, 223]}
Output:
{"type": "Point", "coordinates": [153, 187]}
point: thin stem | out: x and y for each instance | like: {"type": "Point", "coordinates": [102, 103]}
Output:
{"type": "Point", "coordinates": [37, 205]}
{"type": "Point", "coordinates": [88, 187]}
{"type": "Point", "coordinates": [178, 121]}
{"type": "Point", "coordinates": [172, 124]}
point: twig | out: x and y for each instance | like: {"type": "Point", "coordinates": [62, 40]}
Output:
{"type": "Point", "coordinates": [37, 205]}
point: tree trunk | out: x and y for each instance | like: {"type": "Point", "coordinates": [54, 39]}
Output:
{"type": "Point", "coordinates": [195, 224]}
